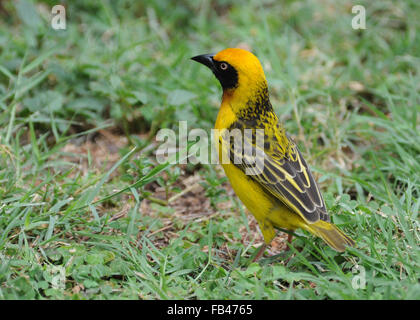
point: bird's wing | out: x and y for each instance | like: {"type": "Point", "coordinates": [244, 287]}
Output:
{"type": "Point", "coordinates": [279, 167]}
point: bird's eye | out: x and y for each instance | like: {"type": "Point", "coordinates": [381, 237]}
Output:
{"type": "Point", "coordinates": [223, 66]}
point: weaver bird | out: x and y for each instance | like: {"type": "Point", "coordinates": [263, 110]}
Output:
{"type": "Point", "coordinates": [282, 193]}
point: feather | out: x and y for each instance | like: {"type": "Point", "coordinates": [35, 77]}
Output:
{"type": "Point", "coordinates": [284, 173]}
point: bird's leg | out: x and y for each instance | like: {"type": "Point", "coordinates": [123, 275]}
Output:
{"type": "Point", "coordinates": [289, 240]}
{"type": "Point", "coordinates": [260, 252]}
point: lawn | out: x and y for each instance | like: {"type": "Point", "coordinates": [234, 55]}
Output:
{"type": "Point", "coordinates": [86, 210]}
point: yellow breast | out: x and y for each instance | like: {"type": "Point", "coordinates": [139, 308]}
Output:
{"type": "Point", "coordinates": [264, 207]}
{"type": "Point", "coordinates": [226, 116]}
{"type": "Point", "coordinates": [248, 191]}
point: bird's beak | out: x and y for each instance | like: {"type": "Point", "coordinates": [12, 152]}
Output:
{"type": "Point", "coordinates": [206, 59]}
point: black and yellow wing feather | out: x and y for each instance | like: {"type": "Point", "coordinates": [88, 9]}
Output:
{"type": "Point", "coordinates": [278, 166]}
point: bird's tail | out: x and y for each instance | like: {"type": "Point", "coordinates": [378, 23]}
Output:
{"type": "Point", "coordinates": [335, 238]}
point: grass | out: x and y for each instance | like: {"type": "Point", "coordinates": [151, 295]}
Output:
{"type": "Point", "coordinates": [83, 199]}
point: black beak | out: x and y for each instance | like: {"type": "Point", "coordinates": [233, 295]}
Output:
{"type": "Point", "coordinates": [206, 59]}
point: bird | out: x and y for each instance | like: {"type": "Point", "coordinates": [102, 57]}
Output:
{"type": "Point", "coordinates": [267, 171]}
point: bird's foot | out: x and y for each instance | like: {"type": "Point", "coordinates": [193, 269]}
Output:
{"type": "Point", "coordinates": [260, 252]}
{"type": "Point", "coordinates": [289, 242]}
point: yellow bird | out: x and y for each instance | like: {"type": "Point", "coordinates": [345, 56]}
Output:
{"type": "Point", "coordinates": [280, 192]}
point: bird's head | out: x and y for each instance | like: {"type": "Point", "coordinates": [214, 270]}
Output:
{"type": "Point", "coordinates": [239, 72]}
